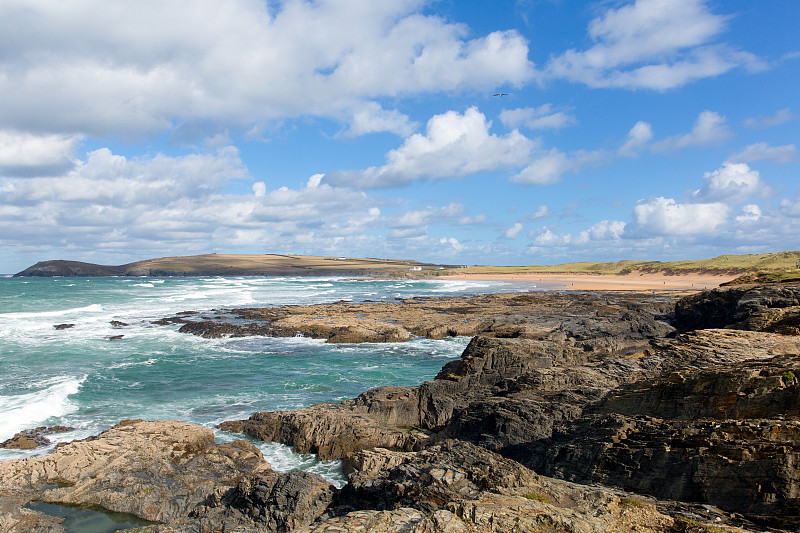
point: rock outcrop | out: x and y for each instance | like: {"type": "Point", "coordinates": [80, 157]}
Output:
{"type": "Point", "coordinates": [611, 320]}
{"type": "Point", "coordinates": [711, 417]}
{"type": "Point", "coordinates": [562, 404]}
{"type": "Point", "coordinates": [165, 472]}
{"type": "Point", "coordinates": [774, 308]}
{"type": "Point", "coordinates": [29, 439]}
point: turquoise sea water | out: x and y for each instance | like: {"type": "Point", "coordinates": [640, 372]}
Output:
{"type": "Point", "coordinates": [79, 378]}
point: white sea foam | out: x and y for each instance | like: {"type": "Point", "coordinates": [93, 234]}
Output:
{"type": "Point", "coordinates": [86, 309]}
{"type": "Point", "coordinates": [142, 285]}
{"type": "Point", "coordinates": [31, 409]}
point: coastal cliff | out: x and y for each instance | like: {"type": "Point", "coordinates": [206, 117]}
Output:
{"type": "Point", "coordinates": [567, 412]}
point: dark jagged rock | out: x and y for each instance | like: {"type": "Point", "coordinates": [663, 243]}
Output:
{"type": "Point", "coordinates": [723, 430]}
{"type": "Point", "coordinates": [711, 417]}
{"type": "Point", "coordinates": [63, 326]}
{"type": "Point", "coordinates": [774, 308]}
{"type": "Point", "coordinates": [277, 502]}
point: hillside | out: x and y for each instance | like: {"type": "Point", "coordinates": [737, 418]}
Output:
{"type": "Point", "coordinates": [724, 264]}
{"type": "Point", "coordinates": [231, 265]}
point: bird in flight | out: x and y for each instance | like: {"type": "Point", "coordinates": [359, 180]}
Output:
{"type": "Point", "coordinates": [500, 94]}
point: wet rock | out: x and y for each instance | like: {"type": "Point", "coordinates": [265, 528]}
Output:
{"type": "Point", "coordinates": [158, 471]}
{"type": "Point", "coordinates": [118, 324]}
{"type": "Point", "coordinates": [114, 337]}
{"type": "Point", "coordinates": [29, 439]}
{"type": "Point", "coordinates": [63, 326]}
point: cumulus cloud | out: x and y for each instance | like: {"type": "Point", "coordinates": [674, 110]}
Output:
{"type": "Point", "coordinates": [749, 213]}
{"type": "Point", "coordinates": [25, 154]}
{"type": "Point", "coordinates": [454, 145]}
{"type": "Point", "coordinates": [665, 216]}
{"type": "Point", "coordinates": [763, 151]}
{"type": "Point", "coordinates": [537, 118]}
{"type": "Point", "coordinates": [101, 67]}
{"type": "Point", "coordinates": [541, 212]}
{"type": "Point", "coordinates": [551, 167]}
{"type": "Point", "coordinates": [638, 137]}
{"type": "Point", "coordinates": [731, 183]}
{"type": "Point", "coordinates": [709, 129]}
{"type": "Point", "coordinates": [780, 117]}
{"type": "Point", "coordinates": [111, 204]}
{"type": "Point", "coordinates": [514, 231]}
{"type": "Point", "coordinates": [595, 235]}
{"type": "Point", "coordinates": [371, 118]}
{"type": "Point", "coordinates": [652, 44]}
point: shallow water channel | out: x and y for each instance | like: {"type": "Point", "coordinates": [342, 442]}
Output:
{"type": "Point", "coordinates": [87, 520]}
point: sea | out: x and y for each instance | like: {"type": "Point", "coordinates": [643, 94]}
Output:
{"type": "Point", "coordinates": [79, 377]}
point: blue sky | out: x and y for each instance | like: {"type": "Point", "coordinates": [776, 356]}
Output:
{"type": "Point", "coordinates": [649, 129]}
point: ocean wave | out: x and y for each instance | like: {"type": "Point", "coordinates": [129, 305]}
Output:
{"type": "Point", "coordinates": [23, 411]}
{"type": "Point", "coordinates": [62, 312]}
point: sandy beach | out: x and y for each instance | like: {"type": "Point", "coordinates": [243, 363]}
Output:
{"type": "Point", "coordinates": [595, 282]}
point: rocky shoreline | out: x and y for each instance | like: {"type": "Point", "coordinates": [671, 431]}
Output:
{"type": "Point", "coordinates": [566, 412]}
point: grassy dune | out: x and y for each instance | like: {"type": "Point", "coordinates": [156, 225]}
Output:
{"type": "Point", "coordinates": [775, 263]}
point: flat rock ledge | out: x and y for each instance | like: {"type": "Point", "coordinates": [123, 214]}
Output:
{"type": "Point", "coordinates": [528, 315]}
{"type": "Point", "coordinates": [170, 473]}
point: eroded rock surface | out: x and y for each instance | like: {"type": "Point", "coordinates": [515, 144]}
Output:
{"type": "Point", "coordinates": [533, 315]}
{"type": "Point", "coordinates": [774, 308]}
{"type": "Point", "coordinates": [562, 402]}
{"type": "Point", "coordinates": [158, 471]}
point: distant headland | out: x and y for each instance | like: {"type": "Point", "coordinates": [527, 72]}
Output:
{"type": "Point", "coordinates": [233, 265]}
{"type": "Point", "coordinates": [724, 269]}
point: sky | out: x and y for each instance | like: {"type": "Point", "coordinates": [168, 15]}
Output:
{"type": "Point", "coordinates": [510, 132]}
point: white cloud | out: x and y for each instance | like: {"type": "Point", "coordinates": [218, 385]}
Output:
{"type": "Point", "coordinates": [454, 145]}
{"type": "Point", "coordinates": [665, 217]}
{"type": "Point", "coordinates": [709, 129]}
{"type": "Point", "coordinates": [514, 231]}
{"type": "Point", "coordinates": [604, 230]}
{"type": "Point", "coordinates": [420, 218]}
{"type": "Point", "coordinates": [763, 151]}
{"type": "Point", "coordinates": [260, 189]}
{"type": "Point", "coordinates": [110, 204]}
{"type": "Point", "coordinates": [541, 212]}
{"type": "Point", "coordinates": [469, 221]}
{"type": "Point", "coordinates": [551, 167]}
{"type": "Point", "coordinates": [537, 118]}
{"type": "Point", "coordinates": [24, 154]}
{"type": "Point", "coordinates": [731, 183]}
{"type": "Point", "coordinates": [749, 213]}
{"type": "Point", "coordinates": [653, 44]}
{"type": "Point", "coordinates": [99, 67]}
{"type": "Point", "coordinates": [371, 118]}
{"type": "Point", "coordinates": [780, 117]}
{"type": "Point", "coordinates": [452, 243]}
{"type": "Point", "coordinates": [791, 208]}
{"type": "Point", "coordinates": [598, 234]}
{"type": "Point", "coordinates": [638, 137]}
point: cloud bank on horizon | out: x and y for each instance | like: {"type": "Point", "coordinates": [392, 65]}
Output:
{"type": "Point", "coordinates": [659, 129]}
